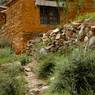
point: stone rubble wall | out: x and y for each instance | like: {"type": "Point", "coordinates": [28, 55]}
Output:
{"type": "Point", "coordinates": [14, 25]}
{"type": "Point", "coordinates": [70, 35]}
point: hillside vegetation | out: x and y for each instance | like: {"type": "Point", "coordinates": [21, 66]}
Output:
{"type": "Point", "coordinates": [86, 16]}
{"type": "Point", "coordinates": [71, 72]}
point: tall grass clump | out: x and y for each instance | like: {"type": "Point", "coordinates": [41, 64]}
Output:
{"type": "Point", "coordinates": [24, 59]}
{"type": "Point", "coordinates": [7, 55]}
{"type": "Point", "coordinates": [76, 76]}
{"type": "Point", "coordinates": [11, 80]}
{"type": "Point", "coordinates": [46, 66]}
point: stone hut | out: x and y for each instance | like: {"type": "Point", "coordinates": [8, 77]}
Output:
{"type": "Point", "coordinates": [27, 18]}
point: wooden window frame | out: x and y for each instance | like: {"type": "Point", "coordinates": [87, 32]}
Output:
{"type": "Point", "coordinates": [47, 18]}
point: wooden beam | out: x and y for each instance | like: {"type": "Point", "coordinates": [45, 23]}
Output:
{"type": "Point", "coordinates": [48, 3]}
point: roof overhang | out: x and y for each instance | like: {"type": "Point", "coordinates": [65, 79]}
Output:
{"type": "Point", "coordinates": [48, 3]}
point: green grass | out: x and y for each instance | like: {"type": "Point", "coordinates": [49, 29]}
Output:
{"type": "Point", "coordinates": [46, 65]}
{"type": "Point", "coordinates": [74, 75]}
{"type": "Point", "coordinates": [68, 70]}
{"type": "Point", "coordinates": [86, 16]}
{"type": "Point", "coordinates": [8, 56]}
{"type": "Point", "coordinates": [48, 93]}
{"type": "Point", "coordinates": [12, 81]}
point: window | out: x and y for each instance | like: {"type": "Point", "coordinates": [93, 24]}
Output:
{"type": "Point", "coordinates": [49, 15]}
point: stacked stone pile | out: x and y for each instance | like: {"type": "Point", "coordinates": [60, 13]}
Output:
{"type": "Point", "coordinates": [29, 47]}
{"type": "Point", "coordinates": [68, 35]}
{"type": "Point", "coordinates": [58, 39]}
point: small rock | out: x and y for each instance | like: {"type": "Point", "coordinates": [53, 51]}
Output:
{"type": "Point", "coordinates": [86, 39]}
{"type": "Point", "coordinates": [58, 36]}
{"type": "Point", "coordinates": [92, 27]}
{"type": "Point", "coordinates": [27, 69]}
{"type": "Point", "coordinates": [35, 91]}
{"type": "Point", "coordinates": [43, 51]}
{"type": "Point", "coordinates": [44, 89]}
{"type": "Point", "coordinates": [56, 30]}
{"type": "Point", "coordinates": [48, 47]}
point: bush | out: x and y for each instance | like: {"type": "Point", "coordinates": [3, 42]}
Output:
{"type": "Point", "coordinates": [24, 59]}
{"type": "Point", "coordinates": [8, 56]}
{"type": "Point", "coordinates": [76, 76]}
{"type": "Point", "coordinates": [10, 85]}
{"type": "Point", "coordinates": [5, 52]}
{"type": "Point", "coordinates": [46, 66]}
{"type": "Point", "coordinates": [11, 80]}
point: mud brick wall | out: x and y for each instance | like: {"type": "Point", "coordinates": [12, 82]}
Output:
{"type": "Point", "coordinates": [14, 25]}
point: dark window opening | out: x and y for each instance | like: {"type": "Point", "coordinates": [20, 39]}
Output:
{"type": "Point", "coordinates": [49, 15]}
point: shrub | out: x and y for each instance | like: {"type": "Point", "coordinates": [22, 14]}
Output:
{"type": "Point", "coordinates": [24, 59]}
{"type": "Point", "coordinates": [5, 52]}
{"type": "Point", "coordinates": [8, 56]}
{"type": "Point", "coordinates": [46, 66]}
{"type": "Point", "coordinates": [13, 69]}
{"type": "Point", "coordinates": [76, 76]}
{"type": "Point", "coordinates": [11, 85]}
{"type": "Point", "coordinates": [11, 80]}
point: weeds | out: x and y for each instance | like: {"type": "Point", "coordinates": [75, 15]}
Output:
{"type": "Point", "coordinates": [24, 59]}
{"type": "Point", "coordinates": [8, 56]}
{"type": "Point", "coordinates": [76, 75]}
{"type": "Point", "coordinates": [11, 80]}
{"type": "Point", "coordinates": [86, 16]}
{"type": "Point", "coordinates": [46, 66]}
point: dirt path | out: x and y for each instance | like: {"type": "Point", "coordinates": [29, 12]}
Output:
{"type": "Point", "coordinates": [35, 86]}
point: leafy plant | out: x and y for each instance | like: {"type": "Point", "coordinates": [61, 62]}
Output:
{"type": "Point", "coordinates": [8, 56]}
{"type": "Point", "coordinates": [46, 66]}
{"type": "Point", "coordinates": [24, 59]}
{"type": "Point", "coordinates": [11, 80]}
{"type": "Point", "coordinates": [76, 75]}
